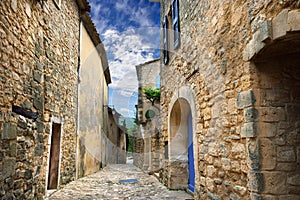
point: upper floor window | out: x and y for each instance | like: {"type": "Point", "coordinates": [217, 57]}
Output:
{"type": "Point", "coordinates": [175, 23]}
{"type": "Point", "coordinates": [165, 40]}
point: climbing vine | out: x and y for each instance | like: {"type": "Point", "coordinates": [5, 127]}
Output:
{"type": "Point", "coordinates": [152, 94]}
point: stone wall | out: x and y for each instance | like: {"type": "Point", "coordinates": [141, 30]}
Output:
{"type": "Point", "coordinates": [39, 59]}
{"type": "Point", "coordinates": [117, 146]}
{"type": "Point", "coordinates": [148, 118]}
{"type": "Point", "coordinates": [229, 92]}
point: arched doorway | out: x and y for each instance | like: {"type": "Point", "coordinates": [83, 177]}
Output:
{"type": "Point", "coordinates": [274, 149]}
{"type": "Point", "coordinates": [182, 170]}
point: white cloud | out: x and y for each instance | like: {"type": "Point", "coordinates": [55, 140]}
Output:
{"type": "Point", "coordinates": [127, 49]}
{"type": "Point", "coordinates": [126, 46]}
{"type": "Point", "coordinates": [127, 112]}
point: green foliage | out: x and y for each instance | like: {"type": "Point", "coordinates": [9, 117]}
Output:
{"type": "Point", "coordinates": [152, 94]}
{"type": "Point", "coordinates": [131, 133]}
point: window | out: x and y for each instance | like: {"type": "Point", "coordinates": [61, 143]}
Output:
{"type": "Point", "coordinates": [165, 40]}
{"type": "Point", "coordinates": [175, 23]}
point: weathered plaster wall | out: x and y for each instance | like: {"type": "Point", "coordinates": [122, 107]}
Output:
{"type": "Point", "coordinates": [210, 62]}
{"type": "Point", "coordinates": [38, 70]}
{"type": "Point", "coordinates": [92, 112]}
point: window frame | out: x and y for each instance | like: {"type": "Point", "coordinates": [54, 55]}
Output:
{"type": "Point", "coordinates": [165, 40]}
{"type": "Point", "coordinates": [175, 23]}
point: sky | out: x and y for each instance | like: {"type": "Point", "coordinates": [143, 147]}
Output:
{"type": "Point", "coordinates": [129, 30]}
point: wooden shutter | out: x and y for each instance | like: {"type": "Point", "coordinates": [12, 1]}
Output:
{"type": "Point", "coordinates": [175, 23]}
{"type": "Point", "coordinates": [165, 40]}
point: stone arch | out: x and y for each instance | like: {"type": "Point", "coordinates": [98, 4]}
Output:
{"type": "Point", "coordinates": [274, 137]}
{"type": "Point", "coordinates": [181, 105]}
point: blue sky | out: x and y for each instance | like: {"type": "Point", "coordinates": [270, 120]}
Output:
{"type": "Point", "coordinates": [129, 30]}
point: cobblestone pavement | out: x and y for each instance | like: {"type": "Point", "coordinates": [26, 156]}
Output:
{"type": "Point", "coordinates": [105, 185]}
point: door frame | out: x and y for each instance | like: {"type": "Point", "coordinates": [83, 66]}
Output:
{"type": "Point", "coordinates": [186, 93]}
{"type": "Point", "coordinates": [54, 120]}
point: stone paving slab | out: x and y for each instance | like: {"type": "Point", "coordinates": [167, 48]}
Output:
{"type": "Point", "coordinates": [105, 184]}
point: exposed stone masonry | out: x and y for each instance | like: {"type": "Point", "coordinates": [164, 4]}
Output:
{"type": "Point", "coordinates": [38, 72]}
{"type": "Point", "coordinates": [243, 80]}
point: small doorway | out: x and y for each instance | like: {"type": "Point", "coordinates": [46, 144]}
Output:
{"type": "Point", "coordinates": [53, 172]}
{"type": "Point", "coordinates": [191, 181]}
{"type": "Point", "coordinates": [182, 175]}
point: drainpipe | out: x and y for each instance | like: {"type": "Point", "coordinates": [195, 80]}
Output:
{"type": "Point", "coordinates": [78, 95]}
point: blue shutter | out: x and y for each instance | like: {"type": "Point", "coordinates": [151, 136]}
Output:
{"type": "Point", "coordinates": [175, 23]}
{"type": "Point", "coordinates": [165, 40]}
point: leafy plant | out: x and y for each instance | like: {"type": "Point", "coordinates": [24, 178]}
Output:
{"type": "Point", "coordinates": [152, 94]}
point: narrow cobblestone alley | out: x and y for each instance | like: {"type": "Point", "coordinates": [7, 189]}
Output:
{"type": "Point", "coordinates": [105, 184]}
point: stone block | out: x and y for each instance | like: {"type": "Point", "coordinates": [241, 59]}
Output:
{"type": "Point", "coordinates": [211, 171]}
{"type": "Point", "coordinates": [28, 174]}
{"type": "Point", "coordinates": [288, 167]}
{"type": "Point", "coordinates": [14, 5]}
{"type": "Point", "coordinates": [210, 184]}
{"type": "Point", "coordinates": [272, 114]}
{"type": "Point", "coordinates": [286, 154]}
{"type": "Point", "coordinates": [265, 31]}
{"type": "Point", "coordinates": [245, 99]}
{"type": "Point", "coordinates": [232, 107]}
{"type": "Point", "coordinates": [268, 153]}
{"type": "Point", "coordinates": [250, 114]}
{"type": "Point", "coordinates": [9, 131]}
{"type": "Point", "coordinates": [294, 179]}
{"type": "Point", "coordinates": [293, 20]}
{"type": "Point", "coordinates": [37, 76]}
{"type": "Point", "coordinates": [249, 130]}
{"type": "Point", "coordinates": [39, 150]}
{"type": "Point", "coordinates": [238, 151]}
{"type": "Point", "coordinates": [38, 104]}
{"type": "Point", "coordinates": [8, 167]}
{"type": "Point", "coordinates": [249, 51]}
{"type": "Point", "coordinates": [213, 196]}
{"type": "Point", "coordinates": [13, 149]}
{"type": "Point", "coordinates": [267, 130]}
{"type": "Point", "coordinates": [226, 164]}
{"type": "Point", "coordinates": [275, 183]}
{"type": "Point", "coordinates": [279, 24]}
{"type": "Point", "coordinates": [256, 181]}
{"type": "Point", "coordinates": [240, 190]}
{"type": "Point", "coordinates": [288, 197]}
{"type": "Point", "coordinates": [293, 112]}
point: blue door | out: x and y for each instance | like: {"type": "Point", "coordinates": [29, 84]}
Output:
{"type": "Point", "coordinates": [191, 182]}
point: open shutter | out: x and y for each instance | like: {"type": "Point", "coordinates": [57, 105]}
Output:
{"type": "Point", "coordinates": [165, 40]}
{"type": "Point", "coordinates": [175, 23]}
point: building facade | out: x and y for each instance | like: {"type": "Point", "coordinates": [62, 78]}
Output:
{"type": "Point", "coordinates": [146, 146]}
{"type": "Point", "coordinates": [230, 98]}
{"type": "Point", "coordinates": [117, 142]}
{"type": "Point", "coordinates": [94, 77]}
{"type": "Point", "coordinates": [39, 70]}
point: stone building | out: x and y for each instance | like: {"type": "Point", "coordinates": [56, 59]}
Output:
{"type": "Point", "coordinates": [117, 142]}
{"type": "Point", "coordinates": [39, 74]}
{"type": "Point", "coordinates": [230, 106]}
{"type": "Point", "coordinates": [146, 146]}
{"type": "Point", "coordinates": [93, 100]}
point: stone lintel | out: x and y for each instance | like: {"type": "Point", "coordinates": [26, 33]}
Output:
{"type": "Point", "coordinates": [293, 20]}
{"type": "Point", "coordinates": [279, 24]}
